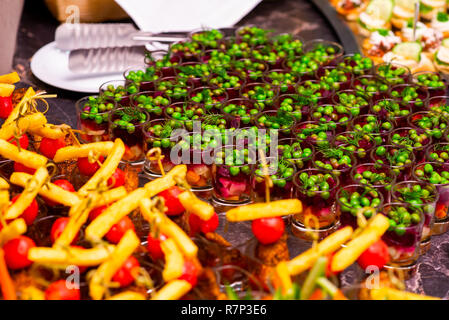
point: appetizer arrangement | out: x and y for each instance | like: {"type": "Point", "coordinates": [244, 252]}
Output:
{"type": "Point", "coordinates": [342, 175]}
{"type": "Point", "coordinates": [388, 34]}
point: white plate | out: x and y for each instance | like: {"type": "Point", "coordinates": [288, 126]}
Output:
{"type": "Point", "coordinates": [51, 65]}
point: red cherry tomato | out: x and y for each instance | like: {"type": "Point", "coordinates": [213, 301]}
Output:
{"type": "Point", "coordinates": [59, 290]}
{"type": "Point", "coordinates": [127, 272]}
{"type": "Point", "coordinates": [268, 230]}
{"type": "Point", "coordinates": [6, 106]}
{"type": "Point", "coordinates": [117, 179]}
{"type": "Point", "coordinates": [376, 255]}
{"type": "Point", "coordinates": [18, 167]}
{"type": "Point", "coordinates": [16, 252]}
{"type": "Point", "coordinates": [154, 246]}
{"type": "Point", "coordinates": [174, 206]}
{"type": "Point", "coordinates": [48, 147]}
{"type": "Point", "coordinates": [23, 141]}
{"type": "Point", "coordinates": [30, 213]}
{"type": "Point", "coordinates": [86, 168]}
{"type": "Point", "coordinates": [93, 214]}
{"type": "Point", "coordinates": [196, 224]}
{"type": "Point", "coordinates": [64, 184]}
{"type": "Point", "coordinates": [190, 273]}
{"type": "Point", "coordinates": [329, 271]}
{"type": "Point", "coordinates": [118, 230]}
{"type": "Point", "coordinates": [58, 227]}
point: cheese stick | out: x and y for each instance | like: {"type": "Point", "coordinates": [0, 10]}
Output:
{"type": "Point", "coordinates": [128, 295]}
{"type": "Point", "coordinates": [50, 131]}
{"type": "Point", "coordinates": [264, 210]}
{"type": "Point", "coordinates": [169, 228]}
{"type": "Point", "coordinates": [83, 151]}
{"type": "Point", "coordinates": [71, 255]}
{"type": "Point", "coordinates": [113, 214]}
{"type": "Point", "coordinates": [374, 230]}
{"type": "Point", "coordinates": [14, 229]}
{"type": "Point", "coordinates": [28, 194]}
{"type": "Point", "coordinates": [195, 206]}
{"type": "Point", "coordinates": [394, 294]}
{"type": "Point", "coordinates": [22, 125]}
{"type": "Point", "coordinates": [107, 269]}
{"type": "Point", "coordinates": [25, 157]}
{"type": "Point", "coordinates": [328, 245]}
{"type": "Point", "coordinates": [167, 181]}
{"type": "Point", "coordinates": [111, 196]}
{"type": "Point", "coordinates": [173, 290]}
{"type": "Point", "coordinates": [50, 191]}
{"type": "Point", "coordinates": [107, 168]}
{"type": "Point", "coordinates": [174, 261]}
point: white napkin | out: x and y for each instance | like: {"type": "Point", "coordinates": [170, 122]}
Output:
{"type": "Point", "coordinates": [186, 15]}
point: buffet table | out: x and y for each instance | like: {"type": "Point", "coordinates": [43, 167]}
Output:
{"type": "Point", "coordinates": [299, 17]}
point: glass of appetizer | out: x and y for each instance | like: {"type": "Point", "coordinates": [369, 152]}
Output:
{"type": "Point", "coordinates": [92, 118]}
{"type": "Point", "coordinates": [118, 91]}
{"type": "Point", "coordinates": [415, 139]}
{"type": "Point", "coordinates": [263, 93]}
{"type": "Point", "coordinates": [394, 73]}
{"type": "Point", "coordinates": [338, 78]}
{"type": "Point", "coordinates": [316, 189]}
{"type": "Point", "coordinates": [142, 77]}
{"type": "Point", "coordinates": [409, 94]}
{"type": "Point", "coordinates": [355, 142]}
{"type": "Point", "coordinates": [281, 173]}
{"type": "Point", "coordinates": [437, 174]}
{"type": "Point", "coordinates": [423, 195]}
{"type": "Point", "coordinates": [404, 235]}
{"type": "Point", "coordinates": [393, 110]}
{"type": "Point", "coordinates": [296, 104]}
{"type": "Point", "coordinates": [323, 51]}
{"type": "Point", "coordinates": [315, 92]}
{"type": "Point", "coordinates": [374, 126]}
{"type": "Point", "coordinates": [399, 159]}
{"type": "Point", "coordinates": [153, 102]}
{"type": "Point", "coordinates": [300, 153]}
{"type": "Point", "coordinates": [357, 102]}
{"type": "Point", "coordinates": [334, 160]}
{"type": "Point", "coordinates": [380, 178]}
{"type": "Point", "coordinates": [242, 110]}
{"type": "Point", "coordinates": [127, 123]}
{"type": "Point", "coordinates": [231, 175]}
{"type": "Point", "coordinates": [434, 124]}
{"type": "Point", "coordinates": [279, 120]}
{"type": "Point", "coordinates": [432, 81]}
{"type": "Point", "coordinates": [315, 132]}
{"type": "Point", "coordinates": [327, 113]}
{"type": "Point", "coordinates": [285, 80]}
{"type": "Point", "coordinates": [354, 197]}
{"type": "Point", "coordinates": [372, 86]}
{"type": "Point", "coordinates": [175, 88]}
{"type": "Point", "coordinates": [162, 61]}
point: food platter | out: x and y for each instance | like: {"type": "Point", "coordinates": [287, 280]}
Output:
{"type": "Point", "coordinates": [359, 170]}
{"type": "Point", "coordinates": [385, 30]}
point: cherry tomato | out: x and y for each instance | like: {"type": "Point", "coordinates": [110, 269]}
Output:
{"type": "Point", "coordinates": [23, 141]}
{"type": "Point", "coordinates": [376, 255]}
{"type": "Point", "coordinates": [16, 252]}
{"type": "Point", "coordinates": [268, 230]}
{"type": "Point", "coordinates": [30, 213]}
{"type": "Point", "coordinates": [6, 106]}
{"type": "Point", "coordinates": [329, 271]}
{"type": "Point", "coordinates": [86, 168]}
{"type": "Point", "coordinates": [190, 273]}
{"type": "Point", "coordinates": [118, 230]}
{"type": "Point", "coordinates": [127, 272]}
{"type": "Point", "coordinates": [174, 206]}
{"type": "Point", "coordinates": [64, 184]}
{"type": "Point", "coordinates": [93, 214]}
{"type": "Point", "coordinates": [48, 147]}
{"type": "Point", "coordinates": [154, 246]}
{"type": "Point", "coordinates": [59, 290]}
{"type": "Point", "coordinates": [58, 227]}
{"type": "Point", "coordinates": [117, 179]}
{"type": "Point", "coordinates": [18, 167]}
{"type": "Point", "coordinates": [196, 224]}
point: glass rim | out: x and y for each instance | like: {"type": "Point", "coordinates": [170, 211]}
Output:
{"type": "Point", "coordinates": [408, 182]}
{"type": "Point", "coordinates": [411, 153]}
{"type": "Point", "coordinates": [358, 185]}
{"type": "Point", "coordinates": [390, 135]}
{"type": "Point", "coordinates": [415, 167]}
{"type": "Point", "coordinates": [402, 205]}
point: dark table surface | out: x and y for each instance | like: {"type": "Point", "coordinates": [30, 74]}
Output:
{"type": "Point", "coordinates": [298, 17]}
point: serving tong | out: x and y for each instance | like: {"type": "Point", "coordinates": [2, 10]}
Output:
{"type": "Point", "coordinates": [109, 47]}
